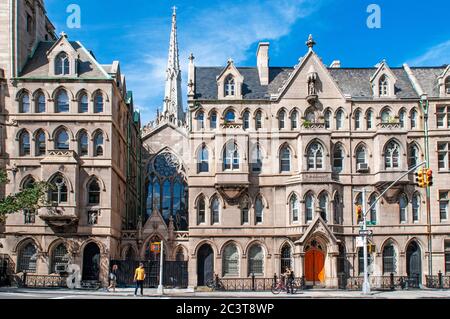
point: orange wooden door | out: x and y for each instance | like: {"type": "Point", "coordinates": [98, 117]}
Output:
{"type": "Point", "coordinates": [315, 266]}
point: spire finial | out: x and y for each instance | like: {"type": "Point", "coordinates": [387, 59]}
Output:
{"type": "Point", "coordinates": [310, 43]}
{"type": "Point", "coordinates": [191, 57]}
{"type": "Point", "coordinates": [174, 10]}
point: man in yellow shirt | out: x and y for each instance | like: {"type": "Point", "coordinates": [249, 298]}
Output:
{"type": "Point", "coordinates": [139, 276]}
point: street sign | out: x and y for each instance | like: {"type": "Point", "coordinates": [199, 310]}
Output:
{"type": "Point", "coordinates": [155, 247]}
{"type": "Point", "coordinates": [366, 232]}
{"type": "Point", "coordinates": [359, 242]}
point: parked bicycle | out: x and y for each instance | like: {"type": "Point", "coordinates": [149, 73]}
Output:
{"type": "Point", "coordinates": [280, 286]}
{"type": "Point", "coordinates": [215, 284]}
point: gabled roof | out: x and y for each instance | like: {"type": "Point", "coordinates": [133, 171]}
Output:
{"type": "Point", "coordinates": [37, 65]}
{"type": "Point", "coordinates": [428, 78]}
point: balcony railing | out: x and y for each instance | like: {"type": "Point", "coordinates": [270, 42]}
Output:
{"type": "Point", "coordinates": [390, 126]}
{"type": "Point", "coordinates": [231, 125]}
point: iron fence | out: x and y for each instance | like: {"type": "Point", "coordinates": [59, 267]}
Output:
{"type": "Point", "coordinates": [390, 282]}
{"type": "Point", "coordinates": [175, 273]}
{"type": "Point", "coordinates": [44, 281]}
{"type": "Point", "coordinates": [254, 283]}
{"type": "Point", "coordinates": [438, 282]}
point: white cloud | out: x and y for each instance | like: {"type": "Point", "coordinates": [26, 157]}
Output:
{"type": "Point", "coordinates": [213, 34]}
{"type": "Point", "coordinates": [435, 56]}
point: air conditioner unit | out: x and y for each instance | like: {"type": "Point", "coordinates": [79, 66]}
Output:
{"type": "Point", "coordinates": [363, 167]}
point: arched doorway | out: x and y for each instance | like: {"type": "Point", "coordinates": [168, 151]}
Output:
{"type": "Point", "coordinates": [315, 263]}
{"type": "Point", "coordinates": [414, 262]}
{"type": "Point", "coordinates": [91, 262]}
{"type": "Point", "coordinates": [205, 264]}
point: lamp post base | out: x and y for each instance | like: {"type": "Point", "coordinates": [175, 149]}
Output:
{"type": "Point", "coordinates": [160, 290]}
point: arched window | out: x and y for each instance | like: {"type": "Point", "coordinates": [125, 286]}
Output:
{"type": "Point", "coordinates": [215, 211]}
{"type": "Point", "coordinates": [179, 255]}
{"type": "Point", "coordinates": [369, 119]}
{"type": "Point", "coordinates": [62, 64]}
{"type": "Point", "coordinates": [60, 258]}
{"type": "Point", "coordinates": [40, 146]}
{"type": "Point", "coordinates": [323, 205]}
{"type": "Point", "coordinates": [294, 120]}
{"type": "Point", "coordinates": [62, 102]}
{"type": "Point", "coordinates": [315, 156]}
{"type": "Point", "coordinates": [392, 155]}
{"type": "Point", "coordinates": [202, 158]}
{"type": "Point", "coordinates": [357, 120]}
{"type": "Point", "coordinates": [386, 116]}
{"type": "Point", "coordinates": [339, 120]}
{"type": "Point", "coordinates": [94, 193]}
{"type": "Point", "coordinates": [413, 159]}
{"type": "Point", "coordinates": [447, 85]}
{"type": "Point", "coordinates": [256, 159]}
{"type": "Point", "coordinates": [83, 104]}
{"type": "Point", "coordinates": [246, 120]}
{"type": "Point", "coordinates": [416, 207]}
{"type": "Point", "coordinates": [310, 116]}
{"type": "Point", "coordinates": [447, 257]}
{"type": "Point", "coordinates": [40, 103]}
{"type": "Point", "coordinates": [309, 207]}
{"type": "Point", "coordinates": [27, 258]}
{"type": "Point", "coordinates": [83, 144]}
{"type": "Point", "coordinates": [258, 120]}
{"type": "Point", "coordinates": [286, 258]}
{"type": "Point", "coordinates": [384, 86]}
{"type": "Point", "coordinates": [98, 103]}
{"type": "Point", "coordinates": [58, 193]}
{"type": "Point", "coordinates": [401, 118]}
{"type": "Point", "coordinates": [361, 157]}
{"type": "Point", "coordinates": [231, 157]}
{"type": "Point", "coordinates": [281, 120]}
{"type": "Point", "coordinates": [98, 144]}
{"type": "Point", "coordinates": [327, 119]}
{"type": "Point", "coordinates": [230, 117]}
{"type": "Point", "coordinates": [201, 209]}
{"type": "Point", "coordinates": [230, 86]}
{"type": "Point", "coordinates": [166, 199]}
{"type": "Point", "coordinates": [200, 120]}
{"type": "Point", "coordinates": [230, 261]}
{"type": "Point", "coordinates": [24, 144]}
{"type": "Point", "coordinates": [62, 140]}
{"type": "Point", "coordinates": [373, 211]}
{"type": "Point", "coordinates": [285, 159]}
{"type": "Point", "coordinates": [213, 121]}
{"type": "Point", "coordinates": [259, 210]}
{"type": "Point", "coordinates": [245, 208]}
{"type": "Point", "coordinates": [389, 259]}
{"type": "Point", "coordinates": [255, 260]}
{"type": "Point", "coordinates": [403, 206]}
{"type": "Point", "coordinates": [294, 206]}
{"type": "Point", "coordinates": [338, 159]}
{"type": "Point", "coordinates": [414, 117]}
{"type": "Point", "coordinates": [337, 209]}
{"type": "Point", "coordinates": [24, 106]}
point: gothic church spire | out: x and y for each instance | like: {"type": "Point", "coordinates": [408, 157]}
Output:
{"type": "Point", "coordinates": [173, 105]}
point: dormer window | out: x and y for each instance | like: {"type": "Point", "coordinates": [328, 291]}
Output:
{"type": "Point", "coordinates": [384, 86]}
{"type": "Point", "coordinates": [447, 85]}
{"type": "Point", "coordinates": [62, 64]}
{"type": "Point", "coordinates": [230, 86]}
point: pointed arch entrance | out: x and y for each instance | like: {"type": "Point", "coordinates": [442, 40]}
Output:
{"type": "Point", "coordinates": [91, 262]}
{"type": "Point", "coordinates": [414, 262]}
{"type": "Point", "coordinates": [315, 262]}
{"type": "Point", "coordinates": [205, 265]}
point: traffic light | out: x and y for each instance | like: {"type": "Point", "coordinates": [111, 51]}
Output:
{"type": "Point", "coordinates": [420, 178]}
{"type": "Point", "coordinates": [358, 212]}
{"type": "Point", "coordinates": [429, 176]}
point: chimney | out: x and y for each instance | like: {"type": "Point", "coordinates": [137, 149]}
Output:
{"type": "Point", "coordinates": [336, 64]}
{"type": "Point", "coordinates": [262, 62]}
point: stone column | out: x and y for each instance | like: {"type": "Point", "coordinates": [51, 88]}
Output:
{"type": "Point", "coordinates": [192, 271]}
{"type": "Point", "coordinates": [331, 270]}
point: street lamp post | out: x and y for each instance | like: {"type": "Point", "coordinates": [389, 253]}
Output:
{"type": "Point", "coordinates": [366, 284]}
{"type": "Point", "coordinates": [424, 103]}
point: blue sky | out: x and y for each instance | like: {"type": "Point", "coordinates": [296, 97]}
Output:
{"type": "Point", "coordinates": [137, 34]}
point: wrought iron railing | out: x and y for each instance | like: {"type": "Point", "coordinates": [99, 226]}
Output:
{"type": "Point", "coordinates": [438, 282]}
{"type": "Point", "coordinates": [254, 283]}
{"type": "Point", "coordinates": [44, 281]}
{"type": "Point", "coordinates": [390, 282]}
